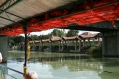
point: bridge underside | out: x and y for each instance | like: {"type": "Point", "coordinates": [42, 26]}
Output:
{"type": "Point", "coordinates": [105, 26]}
{"type": "Point", "coordinates": [26, 17]}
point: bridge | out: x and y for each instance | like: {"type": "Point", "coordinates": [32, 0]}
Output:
{"type": "Point", "coordinates": [26, 16]}
{"type": "Point", "coordinates": [74, 44]}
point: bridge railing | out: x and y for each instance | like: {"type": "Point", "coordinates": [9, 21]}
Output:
{"type": "Point", "coordinates": [5, 75]}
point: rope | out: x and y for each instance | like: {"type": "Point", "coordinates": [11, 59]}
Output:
{"type": "Point", "coordinates": [25, 70]}
{"type": "Point", "coordinates": [28, 51]}
{"type": "Point", "coordinates": [28, 56]}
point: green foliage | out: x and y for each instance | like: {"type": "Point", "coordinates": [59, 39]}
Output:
{"type": "Point", "coordinates": [11, 42]}
{"type": "Point", "coordinates": [44, 37]}
{"type": "Point", "coordinates": [96, 52]}
{"type": "Point", "coordinates": [57, 32]}
{"type": "Point", "coordinates": [33, 37]}
{"type": "Point", "coordinates": [72, 33]}
{"type": "Point", "coordinates": [15, 40]}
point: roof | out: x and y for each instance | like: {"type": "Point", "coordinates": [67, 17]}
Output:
{"type": "Point", "coordinates": [45, 40]}
{"type": "Point", "coordinates": [26, 9]}
{"type": "Point", "coordinates": [88, 35]}
{"type": "Point", "coordinates": [71, 38]}
{"type": "Point", "coordinates": [55, 38]}
{"type": "Point", "coordinates": [22, 16]}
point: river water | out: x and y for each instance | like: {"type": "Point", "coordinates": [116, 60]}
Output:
{"type": "Point", "coordinates": [64, 65]}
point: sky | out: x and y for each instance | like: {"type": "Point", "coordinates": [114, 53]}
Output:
{"type": "Point", "coordinates": [49, 31]}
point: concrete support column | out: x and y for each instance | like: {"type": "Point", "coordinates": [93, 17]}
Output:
{"type": "Point", "coordinates": [50, 42]}
{"type": "Point", "coordinates": [53, 44]}
{"type": "Point", "coordinates": [59, 45]}
{"type": "Point", "coordinates": [42, 44]}
{"type": "Point", "coordinates": [49, 45]}
{"type": "Point", "coordinates": [88, 41]}
{"type": "Point", "coordinates": [79, 45]}
{"type": "Point", "coordinates": [46, 44]}
{"type": "Point", "coordinates": [83, 42]}
{"type": "Point", "coordinates": [75, 45]}
{"type": "Point", "coordinates": [118, 43]}
{"type": "Point", "coordinates": [39, 46]}
{"type": "Point", "coordinates": [93, 41]}
{"type": "Point", "coordinates": [65, 42]}
{"type": "Point", "coordinates": [71, 43]}
{"type": "Point", "coordinates": [110, 44]}
{"type": "Point", "coordinates": [34, 46]}
{"type": "Point", "coordinates": [62, 45]}
{"type": "Point", "coordinates": [66, 45]}
{"type": "Point", "coordinates": [98, 40]}
{"type": "Point", "coordinates": [3, 47]}
{"type": "Point", "coordinates": [103, 44]}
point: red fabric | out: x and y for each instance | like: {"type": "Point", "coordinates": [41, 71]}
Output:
{"type": "Point", "coordinates": [13, 32]}
{"type": "Point", "coordinates": [109, 13]}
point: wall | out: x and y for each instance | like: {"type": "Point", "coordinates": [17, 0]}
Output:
{"type": "Point", "coordinates": [110, 44]}
{"type": "Point", "coordinates": [3, 47]}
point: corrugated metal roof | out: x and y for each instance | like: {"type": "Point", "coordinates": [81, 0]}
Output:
{"type": "Point", "coordinates": [2, 1]}
{"type": "Point", "coordinates": [29, 8]}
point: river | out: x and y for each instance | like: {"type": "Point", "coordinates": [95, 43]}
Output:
{"type": "Point", "coordinates": [64, 65]}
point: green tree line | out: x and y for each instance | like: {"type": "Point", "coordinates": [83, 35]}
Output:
{"type": "Point", "coordinates": [56, 32]}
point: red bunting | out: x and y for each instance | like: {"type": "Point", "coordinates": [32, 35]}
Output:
{"type": "Point", "coordinates": [109, 13]}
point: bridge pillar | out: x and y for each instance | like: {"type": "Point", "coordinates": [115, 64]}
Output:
{"type": "Point", "coordinates": [110, 44]}
{"type": "Point", "coordinates": [3, 47]}
{"type": "Point", "coordinates": [118, 43]}
{"type": "Point", "coordinates": [103, 45]}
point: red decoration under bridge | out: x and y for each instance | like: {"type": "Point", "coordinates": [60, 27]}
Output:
{"type": "Point", "coordinates": [63, 18]}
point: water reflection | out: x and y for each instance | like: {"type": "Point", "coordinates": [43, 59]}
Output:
{"type": "Point", "coordinates": [66, 66]}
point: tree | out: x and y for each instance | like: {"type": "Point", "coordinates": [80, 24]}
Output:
{"type": "Point", "coordinates": [11, 42]}
{"type": "Point", "coordinates": [33, 37]}
{"type": "Point", "coordinates": [57, 32]}
{"type": "Point", "coordinates": [72, 33]}
{"type": "Point", "coordinates": [15, 40]}
{"type": "Point", "coordinates": [44, 36]}
{"type": "Point", "coordinates": [18, 39]}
